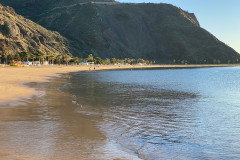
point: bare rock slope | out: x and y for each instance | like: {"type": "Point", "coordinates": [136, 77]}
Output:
{"type": "Point", "coordinates": [20, 34]}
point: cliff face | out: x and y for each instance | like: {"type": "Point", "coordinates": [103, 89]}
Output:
{"type": "Point", "coordinates": [119, 30]}
{"type": "Point", "coordinates": [152, 31]}
{"type": "Point", "coordinates": [20, 34]}
{"type": "Point", "coordinates": [160, 32]}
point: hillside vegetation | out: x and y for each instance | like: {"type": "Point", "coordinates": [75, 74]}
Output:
{"type": "Point", "coordinates": [160, 32]}
{"type": "Point", "coordinates": [18, 34]}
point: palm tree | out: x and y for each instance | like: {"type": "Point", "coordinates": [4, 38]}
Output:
{"type": "Point", "coordinates": [4, 57]}
{"type": "Point", "coordinates": [25, 55]}
{"type": "Point", "coordinates": [22, 55]}
{"type": "Point", "coordinates": [33, 56]}
{"type": "Point", "coordinates": [6, 53]}
{"type": "Point", "coordinates": [98, 60]}
{"type": "Point", "coordinates": [43, 56]}
{"type": "Point", "coordinates": [39, 56]}
{"type": "Point", "coordinates": [17, 57]}
{"type": "Point", "coordinates": [59, 57]}
{"type": "Point", "coordinates": [76, 60]}
{"type": "Point", "coordinates": [128, 60]}
{"type": "Point", "coordinates": [51, 58]}
{"type": "Point", "coordinates": [107, 61]}
{"type": "Point", "coordinates": [90, 58]}
{"type": "Point", "coordinates": [10, 57]}
{"type": "Point", "coordinates": [1, 56]}
{"type": "Point", "coordinates": [113, 60]}
{"type": "Point", "coordinates": [28, 55]}
{"type": "Point", "coordinates": [67, 58]}
{"type": "Point", "coordinates": [48, 55]}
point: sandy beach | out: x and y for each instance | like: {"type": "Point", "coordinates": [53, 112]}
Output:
{"type": "Point", "coordinates": [13, 78]}
{"type": "Point", "coordinates": [62, 119]}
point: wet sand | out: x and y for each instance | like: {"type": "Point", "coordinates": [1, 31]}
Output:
{"type": "Point", "coordinates": [52, 126]}
{"type": "Point", "coordinates": [46, 127]}
{"type": "Point", "coordinates": [13, 78]}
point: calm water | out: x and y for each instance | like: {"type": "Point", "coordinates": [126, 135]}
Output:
{"type": "Point", "coordinates": [139, 114]}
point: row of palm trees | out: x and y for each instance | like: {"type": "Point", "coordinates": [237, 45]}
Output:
{"type": "Point", "coordinates": [7, 58]}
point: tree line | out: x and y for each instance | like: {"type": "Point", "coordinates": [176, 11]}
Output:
{"type": "Point", "coordinates": [6, 58]}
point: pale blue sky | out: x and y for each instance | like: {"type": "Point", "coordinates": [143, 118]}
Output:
{"type": "Point", "coordinates": [220, 17]}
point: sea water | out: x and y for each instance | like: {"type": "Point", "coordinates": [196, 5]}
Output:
{"type": "Point", "coordinates": [166, 113]}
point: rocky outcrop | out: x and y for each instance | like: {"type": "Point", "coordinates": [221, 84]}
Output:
{"type": "Point", "coordinates": [20, 34]}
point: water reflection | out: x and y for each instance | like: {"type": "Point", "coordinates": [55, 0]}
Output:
{"type": "Point", "coordinates": [165, 114]}
{"type": "Point", "coordinates": [139, 117]}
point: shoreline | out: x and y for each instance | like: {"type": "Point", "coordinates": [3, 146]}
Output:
{"type": "Point", "coordinates": [13, 79]}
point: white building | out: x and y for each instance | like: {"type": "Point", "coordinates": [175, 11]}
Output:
{"type": "Point", "coordinates": [86, 63]}
{"type": "Point", "coordinates": [28, 63]}
{"type": "Point", "coordinates": [45, 63]}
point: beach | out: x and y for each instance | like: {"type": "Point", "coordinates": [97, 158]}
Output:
{"type": "Point", "coordinates": [13, 78]}
{"type": "Point", "coordinates": [73, 112]}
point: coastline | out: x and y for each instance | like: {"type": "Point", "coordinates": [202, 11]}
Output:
{"type": "Point", "coordinates": [13, 78]}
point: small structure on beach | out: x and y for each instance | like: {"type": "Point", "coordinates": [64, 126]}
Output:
{"type": "Point", "coordinates": [28, 63]}
{"type": "Point", "coordinates": [86, 63]}
{"type": "Point", "coordinates": [83, 63]}
{"type": "Point", "coordinates": [36, 63]}
{"type": "Point", "coordinates": [45, 63]}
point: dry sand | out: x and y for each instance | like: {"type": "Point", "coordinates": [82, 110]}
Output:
{"type": "Point", "coordinates": [12, 79]}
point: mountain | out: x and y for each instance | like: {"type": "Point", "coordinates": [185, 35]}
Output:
{"type": "Point", "coordinates": [20, 34]}
{"type": "Point", "coordinates": [107, 29]}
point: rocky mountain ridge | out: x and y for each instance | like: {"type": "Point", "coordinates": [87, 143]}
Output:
{"type": "Point", "coordinates": [108, 29]}
{"type": "Point", "coordinates": [19, 34]}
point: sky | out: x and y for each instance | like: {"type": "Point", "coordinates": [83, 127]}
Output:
{"type": "Point", "coordinates": [219, 17]}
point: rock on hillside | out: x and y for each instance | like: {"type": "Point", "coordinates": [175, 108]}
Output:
{"type": "Point", "coordinates": [20, 34]}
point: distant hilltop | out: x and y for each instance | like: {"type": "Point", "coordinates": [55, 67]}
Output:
{"type": "Point", "coordinates": [108, 29]}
